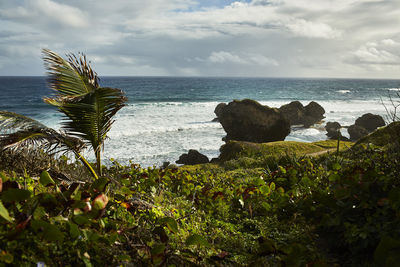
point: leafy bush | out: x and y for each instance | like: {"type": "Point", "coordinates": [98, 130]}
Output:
{"type": "Point", "coordinates": [316, 211]}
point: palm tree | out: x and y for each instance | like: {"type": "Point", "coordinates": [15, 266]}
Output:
{"type": "Point", "coordinates": [89, 108]}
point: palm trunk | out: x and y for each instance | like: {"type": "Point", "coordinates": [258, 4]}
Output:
{"type": "Point", "coordinates": [87, 165]}
{"type": "Point", "coordinates": [98, 161]}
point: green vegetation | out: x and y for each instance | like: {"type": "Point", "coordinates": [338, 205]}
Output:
{"type": "Point", "coordinates": [332, 209]}
{"type": "Point", "coordinates": [238, 154]}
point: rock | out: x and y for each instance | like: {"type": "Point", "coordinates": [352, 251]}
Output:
{"type": "Point", "coordinates": [215, 120]}
{"type": "Point", "coordinates": [192, 158]}
{"type": "Point", "coordinates": [332, 126]}
{"type": "Point", "coordinates": [370, 122]}
{"type": "Point", "coordinates": [214, 160]}
{"type": "Point", "coordinates": [293, 112]}
{"type": "Point", "coordinates": [356, 132]}
{"type": "Point", "coordinates": [297, 114]}
{"type": "Point", "coordinates": [333, 129]}
{"type": "Point", "coordinates": [315, 110]}
{"type": "Point", "coordinates": [248, 120]}
{"type": "Point", "coordinates": [218, 109]}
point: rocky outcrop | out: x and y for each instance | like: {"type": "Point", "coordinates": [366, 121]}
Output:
{"type": "Point", "coordinates": [193, 157]}
{"type": "Point", "coordinates": [370, 122]}
{"type": "Point", "coordinates": [364, 125]}
{"type": "Point", "coordinates": [356, 132]}
{"type": "Point", "coordinates": [248, 120]}
{"type": "Point", "coordinates": [293, 112]}
{"type": "Point", "coordinates": [333, 130]}
{"type": "Point", "coordinates": [297, 114]}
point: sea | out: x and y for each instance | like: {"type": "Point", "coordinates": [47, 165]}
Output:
{"type": "Point", "coordinates": [167, 116]}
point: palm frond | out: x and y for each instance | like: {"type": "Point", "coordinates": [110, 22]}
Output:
{"type": "Point", "coordinates": [18, 131]}
{"type": "Point", "coordinates": [72, 77]}
{"type": "Point", "coordinates": [13, 121]}
{"type": "Point", "coordinates": [90, 117]}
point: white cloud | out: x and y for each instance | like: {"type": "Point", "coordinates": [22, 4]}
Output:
{"type": "Point", "coordinates": [246, 59]}
{"type": "Point", "coordinates": [376, 53]}
{"type": "Point", "coordinates": [223, 57]}
{"type": "Point", "coordinates": [182, 37]}
{"type": "Point", "coordinates": [301, 27]}
{"type": "Point", "coordinates": [40, 10]}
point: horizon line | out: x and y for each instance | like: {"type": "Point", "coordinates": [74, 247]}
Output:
{"type": "Point", "coordinates": [221, 77]}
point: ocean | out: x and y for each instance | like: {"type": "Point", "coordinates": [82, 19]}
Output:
{"type": "Point", "coordinates": [167, 116]}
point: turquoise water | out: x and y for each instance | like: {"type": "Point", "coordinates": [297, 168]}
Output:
{"type": "Point", "coordinates": [167, 116]}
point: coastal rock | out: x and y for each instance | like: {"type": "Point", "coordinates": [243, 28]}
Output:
{"type": "Point", "coordinates": [298, 114]}
{"type": "Point", "coordinates": [193, 157]}
{"type": "Point", "coordinates": [293, 112]}
{"type": "Point", "coordinates": [248, 120]}
{"type": "Point", "coordinates": [218, 109]}
{"type": "Point", "coordinates": [315, 110]}
{"type": "Point", "coordinates": [370, 122]}
{"type": "Point", "coordinates": [333, 129]}
{"type": "Point", "coordinates": [356, 132]}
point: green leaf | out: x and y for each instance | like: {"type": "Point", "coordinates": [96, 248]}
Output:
{"type": "Point", "coordinates": [4, 213]}
{"type": "Point", "coordinates": [74, 230]}
{"type": "Point", "coordinates": [3, 177]}
{"type": "Point", "coordinates": [196, 239]}
{"type": "Point", "coordinates": [158, 249]}
{"type": "Point", "coordinates": [49, 231]}
{"type": "Point", "coordinates": [272, 186]}
{"type": "Point", "coordinates": [6, 257]}
{"type": "Point", "coordinates": [99, 184]}
{"type": "Point", "coordinates": [336, 166]}
{"type": "Point", "coordinates": [170, 223]}
{"type": "Point", "coordinates": [45, 179]}
{"type": "Point", "coordinates": [265, 190]}
{"type": "Point", "coordinates": [14, 194]}
{"type": "Point", "coordinates": [81, 219]}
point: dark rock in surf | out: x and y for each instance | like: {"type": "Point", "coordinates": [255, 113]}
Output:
{"type": "Point", "coordinates": [356, 132]}
{"type": "Point", "coordinates": [370, 122]}
{"type": "Point", "coordinates": [297, 114]}
{"type": "Point", "coordinates": [248, 120]}
{"type": "Point", "coordinates": [333, 130]}
{"type": "Point", "coordinates": [193, 157]}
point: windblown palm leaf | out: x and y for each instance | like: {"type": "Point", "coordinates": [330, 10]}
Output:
{"type": "Point", "coordinates": [88, 107]}
{"type": "Point", "coordinates": [17, 131]}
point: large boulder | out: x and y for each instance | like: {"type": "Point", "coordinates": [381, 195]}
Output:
{"type": "Point", "coordinates": [248, 120]}
{"type": "Point", "coordinates": [356, 132]}
{"type": "Point", "coordinates": [297, 114]}
{"type": "Point", "coordinates": [315, 110]}
{"type": "Point", "coordinates": [193, 157]}
{"type": "Point", "coordinates": [370, 122]}
{"type": "Point", "coordinates": [333, 129]}
{"type": "Point", "coordinates": [293, 112]}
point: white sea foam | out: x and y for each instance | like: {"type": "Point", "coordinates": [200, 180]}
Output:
{"type": "Point", "coordinates": [343, 91]}
{"type": "Point", "coordinates": [151, 133]}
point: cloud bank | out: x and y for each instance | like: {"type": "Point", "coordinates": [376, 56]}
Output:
{"type": "Point", "coordinates": [263, 38]}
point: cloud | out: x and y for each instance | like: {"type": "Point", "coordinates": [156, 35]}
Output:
{"type": "Point", "coordinates": [384, 52]}
{"type": "Point", "coordinates": [216, 37]}
{"type": "Point", "coordinates": [46, 10]}
{"type": "Point", "coordinates": [303, 28]}
{"type": "Point", "coordinates": [249, 59]}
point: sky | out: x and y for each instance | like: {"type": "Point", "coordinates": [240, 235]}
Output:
{"type": "Point", "coordinates": [254, 38]}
